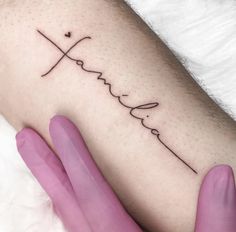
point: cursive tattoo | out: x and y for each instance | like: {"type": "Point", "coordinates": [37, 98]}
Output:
{"type": "Point", "coordinates": [155, 132]}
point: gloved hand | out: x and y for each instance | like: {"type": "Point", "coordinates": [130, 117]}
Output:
{"type": "Point", "coordinates": [217, 201]}
{"type": "Point", "coordinates": [85, 202]}
{"type": "Point", "coordinates": [81, 196]}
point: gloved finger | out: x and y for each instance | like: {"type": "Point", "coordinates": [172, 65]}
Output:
{"type": "Point", "coordinates": [217, 201]}
{"type": "Point", "coordinates": [97, 200]}
{"type": "Point", "coordinates": [50, 173]}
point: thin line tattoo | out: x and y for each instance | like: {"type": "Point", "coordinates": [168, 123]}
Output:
{"type": "Point", "coordinates": [147, 106]}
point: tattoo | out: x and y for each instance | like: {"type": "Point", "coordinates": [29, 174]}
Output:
{"type": "Point", "coordinates": [68, 34]}
{"type": "Point", "coordinates": [65, 54]}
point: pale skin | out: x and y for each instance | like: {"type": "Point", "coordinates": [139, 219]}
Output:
{"type": "Point", "coordinates": [157, 188]}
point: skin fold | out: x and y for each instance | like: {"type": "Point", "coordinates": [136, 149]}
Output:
{"type": "Point", "coordinates": [145, 175]}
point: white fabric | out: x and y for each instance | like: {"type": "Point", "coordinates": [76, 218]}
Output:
{"type": "Point", "coordinates": [201, 32]}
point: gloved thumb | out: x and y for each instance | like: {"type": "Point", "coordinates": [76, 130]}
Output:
{"type": "Point", "coordinates": [217, 201]}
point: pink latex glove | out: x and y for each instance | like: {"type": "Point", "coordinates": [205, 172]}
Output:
{"type": "Point", "coordinates": [85, 202]}
{"type": "Point", "coordinates": [81, 196]}
{"type": "Point", "coordinates": [217, 201]}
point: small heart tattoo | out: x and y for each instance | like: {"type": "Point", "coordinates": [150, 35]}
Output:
{"type": "Point", "coordinates": [68, 35]}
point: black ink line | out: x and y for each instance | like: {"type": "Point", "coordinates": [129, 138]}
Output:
{"type": "Point", "coordinates": [65, 54]}
{"type": "Point", "coordinates": [147, 106]}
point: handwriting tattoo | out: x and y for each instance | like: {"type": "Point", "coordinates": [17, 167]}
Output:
{"type": "Point", "coordinates": [147, 106]}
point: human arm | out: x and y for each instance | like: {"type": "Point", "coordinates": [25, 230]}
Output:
{"type": "Point", "coordinates": [135, 61]}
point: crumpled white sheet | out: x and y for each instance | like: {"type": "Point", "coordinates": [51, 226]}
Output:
{"type": "Point", "coordinates": [201, 32]}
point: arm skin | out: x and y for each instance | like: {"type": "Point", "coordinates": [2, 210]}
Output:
{"type": "Point", "coordinates": [156, 187]}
